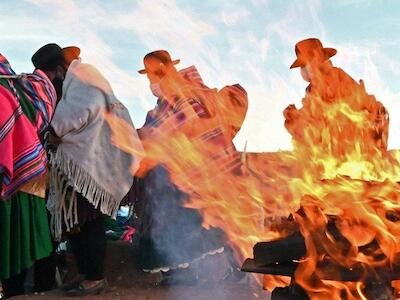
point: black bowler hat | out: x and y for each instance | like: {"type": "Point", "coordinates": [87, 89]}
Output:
{"type": "Point", "coordinates": [50, 56]}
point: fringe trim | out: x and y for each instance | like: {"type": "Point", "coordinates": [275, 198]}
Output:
{"type": "Point", "coordinates": [65, 173]}
{"type": "Point", "coordinates": [187, 264]}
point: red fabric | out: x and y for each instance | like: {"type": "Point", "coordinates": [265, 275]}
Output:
{"type": "Point", "coordinates": [128, 234]}
{"type": "Point", "coordinates": [18, 139]}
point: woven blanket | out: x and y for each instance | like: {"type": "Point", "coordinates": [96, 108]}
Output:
{"type": "Point", "coordinates": [27, 103]}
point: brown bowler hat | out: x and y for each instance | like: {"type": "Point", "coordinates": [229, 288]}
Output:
{"type": "Point", "coordinates": [160, 55]}
{"type": "Point", "coordinates": [309, 50]}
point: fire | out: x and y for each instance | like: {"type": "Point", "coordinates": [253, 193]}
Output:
{"type": "Point", "coordinates": [346, 180]}
{"type": "Point", "coordinates": [340, 183]}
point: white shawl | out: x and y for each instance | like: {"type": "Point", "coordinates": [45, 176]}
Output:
{"type": "Point", "coordinates": [86, 159]}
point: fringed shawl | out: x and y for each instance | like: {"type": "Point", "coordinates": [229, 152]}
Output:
{"type": "Point", "coordinates": [86, 160]}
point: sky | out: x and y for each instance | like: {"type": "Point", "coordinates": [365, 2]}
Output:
{"type": "Point", "coordinates": [250, 42]}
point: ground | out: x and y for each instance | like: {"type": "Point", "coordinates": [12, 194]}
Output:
{"type": "Point", "coordinates": [128, 282]}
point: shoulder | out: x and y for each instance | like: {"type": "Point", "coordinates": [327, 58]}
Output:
{"type": "Point", "coordinates": [87, 75]}
{"type": "Point", "coordinates": [341, 74]}
{"type": "Point", "coordinates": [38, 76]}
{"type": "Point", "coordinates": [42, 85]}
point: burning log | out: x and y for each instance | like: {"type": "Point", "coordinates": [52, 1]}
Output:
{"type": "Point", "coordinates": [291, 292]}
{"type": "Point", "coordinates": [271, 252]}
{"type": "Point", "coordinates": [292, 247]}
{"type": "Point", "coordinates": [326, 270]}
{"type": "Point", "coordinates": [376, 282]}
{"type": "Point", "coordinates": [284, 256]}
{"type": "Point", "coordinates": [372, 290]}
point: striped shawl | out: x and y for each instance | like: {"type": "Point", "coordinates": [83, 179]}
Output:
{"type": "Point", "coordinates": [28, 101]}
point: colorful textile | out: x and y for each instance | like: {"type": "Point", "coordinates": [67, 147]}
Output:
{"type": "Point", "coordinates": [232, 107]}
{"type": "Point", "coordinates": [24, 233]}
{"type": "Point", "coordinates": [198, 118]}
{"type": "Point", "coordinates": [22, 155]}
{"type": "Point", "coordinates": [192, 75]}
{"type": "Point", "coordinates": [116, 231]}
{"type": "Point", "coordinates": [86, 159]}
{"type": "Point", "coordinates": [31, 89]}
{"type": "Point", "coordinates": [27, 106]}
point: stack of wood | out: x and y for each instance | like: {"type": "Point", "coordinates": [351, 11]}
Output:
{"type": "Point", "coordinates": [283, 256]}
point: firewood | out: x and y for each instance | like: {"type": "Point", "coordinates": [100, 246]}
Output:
{"type": "Point", "coordinates": [283, 250]}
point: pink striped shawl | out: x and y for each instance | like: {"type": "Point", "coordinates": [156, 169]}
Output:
{"type": "Point", "coordinates": [22, 154]}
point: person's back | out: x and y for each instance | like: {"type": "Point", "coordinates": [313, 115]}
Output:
{"type": "Point", "coordinates": [27, 108]}
{"type": "Point", "coordinates": [85, 135]}
{"type": "Point", "coordinates": [338, 118]}
{"type": "Point", "coordinates": [28, 102]}
{"type": "Point", "coordinates": [89, 174]}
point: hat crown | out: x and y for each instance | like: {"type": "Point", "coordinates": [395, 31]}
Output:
{"type": "Point", "coordinates": [308, 44]}
{"type": "Point", "coordinates": [158, 56]}
{"type": "Point", "coordinates": [161, 55]}
{"type": "Point", "coordinates": [47, 56]}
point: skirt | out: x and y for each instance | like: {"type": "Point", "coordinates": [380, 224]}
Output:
{"type": "Point", "coordinates": [171, 235]}
{"type": "Point", "coordinates": [24, 233]}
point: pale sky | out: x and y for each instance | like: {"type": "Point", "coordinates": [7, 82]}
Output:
{"type": "Point", "coordinates": [250, 42]}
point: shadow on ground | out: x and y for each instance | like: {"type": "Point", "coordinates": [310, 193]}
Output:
{"type": "Point", "coordinates": [126, 281]}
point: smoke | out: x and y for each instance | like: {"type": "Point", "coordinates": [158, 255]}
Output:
{"type": "Point", "coordinates": [196, 260]}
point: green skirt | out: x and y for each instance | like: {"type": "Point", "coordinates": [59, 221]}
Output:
{"type": "Point", "coordinates": [24, 233]}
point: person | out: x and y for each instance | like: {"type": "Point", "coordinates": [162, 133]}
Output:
{"type": "Point", "coordinates": [330, 87]}
{"type": "Point", "coordinates": [232, 106]}
{"type": "Point", "coordinates": [89, 175]}
{"type": "Point", "coordinates": [173, 241]}
{"type": "Point", "coordinates": [28, 103]}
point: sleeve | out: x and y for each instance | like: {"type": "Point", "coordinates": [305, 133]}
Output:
{"type": "Point", "coordinates": [81, 102]}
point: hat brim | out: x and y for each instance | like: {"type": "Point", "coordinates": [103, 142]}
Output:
{"type": "Point", "coordinates": [328, 52]}
{"type": "Point", "coordinates": [297, 63]}
{"type": "Point", "coordinates": [174, 62]}
{"type": "Point", "coordinates": [71, 53]}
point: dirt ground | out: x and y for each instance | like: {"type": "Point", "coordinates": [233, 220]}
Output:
{"type": "Point", "coordinates": [126, 281]}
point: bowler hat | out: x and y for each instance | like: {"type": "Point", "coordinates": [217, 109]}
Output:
{"type": "Point", "coordinates": [52, 55]}
{"type": "Point", "coordinates": [309, 50]}
{"type": "Point", "coordinates": [160, 55]}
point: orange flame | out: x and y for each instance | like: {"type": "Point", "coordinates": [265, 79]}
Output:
{"type": "Point", "coordinates": [347, 177]}
{"type": "Point", "coordinates": [339, 172]}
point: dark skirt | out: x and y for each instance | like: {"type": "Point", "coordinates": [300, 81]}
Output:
{"type": "Point", "coordinates": [24, 233]}
{"type": "Point", "coordinates": [170, 234]}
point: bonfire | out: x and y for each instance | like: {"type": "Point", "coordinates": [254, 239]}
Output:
{"type": "Point", "coordinates": [324, 217]}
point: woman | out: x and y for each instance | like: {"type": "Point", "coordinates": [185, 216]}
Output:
{"type": "Point", "coordinates": [185, 121]}
{"type": "Point", "coordinates": [28, 102]}
{"type": "Point", "coordinates": [89, 175]}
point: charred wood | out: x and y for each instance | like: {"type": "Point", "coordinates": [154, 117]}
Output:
{"type": "Point", "coordinates": [284, 250]}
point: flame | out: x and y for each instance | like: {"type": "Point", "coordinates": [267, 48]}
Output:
{"type": "Point", "coordinates": [345, 178]}
{"type": "Point", "coordinates": [339, 174]}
